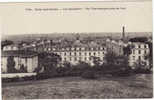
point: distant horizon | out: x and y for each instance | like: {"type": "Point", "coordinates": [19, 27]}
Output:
{"type": "Point", "coordinates": [22, 37]}
{"type": "Point", "coordinates": [73, 33]}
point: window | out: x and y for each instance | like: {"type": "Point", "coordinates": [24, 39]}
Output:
{"type": "Point", "coordinates": [98, 52]}
{"type": "Point", "coordinates": [75, 53]}
{"type": "Point", "coordinates": [139, 51]}
{"type": "Point", "coordinates": [139, 46]}
{"type": "Point", "coordinates": [85, 53]}
{"type": "Point", "coordinates": [75, 58]}
{"type": "Point", "coordinates": [85, 58]}
{"type": "Point", "coordinates": [80, 53]}
{"type": "Point", "coordinates": [139, 57]}
{"type": "Point", "coordinates": [89, 53]}
{"type": "Point", "coordinates": [80, 58]}
{"type": "Point", "coordinates": [64, 53]}
{"type": "Point", "coordinates": [64, 59]}
{"type": "Point", "coordinates": [145, 52]}
{"type": "Point", "coordinates": [133, 51]}
{"type": "Point", "coordinates": [70, 58]}
{"type": "Point", "coordinates": [70, 53]}
{"type": "Point", "coordinates": [133, 57]}
{"type": "Point", "coordinates": [94, 53]}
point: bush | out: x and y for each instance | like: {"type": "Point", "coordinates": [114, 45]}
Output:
{"type": "Point", "coordinates": [89, 74]}
{"type": "Point", "coordinates": [18, 79]}
{"type": "Point", "coordinates": [122, 71]}
{"type": "Point", "coordinates": [140, 70]}
{"type": "Point", "coordinates": [72, 70]}
{"type": "Point", "coordinates": [14, 79]}
{"type": "Point", "coordinates": [27, 78]}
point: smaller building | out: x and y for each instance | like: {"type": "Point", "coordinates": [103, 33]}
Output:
{"type": "Point", "coordinates": [28, 59]}
{"type": "Point", "coordinates": [138, 53]}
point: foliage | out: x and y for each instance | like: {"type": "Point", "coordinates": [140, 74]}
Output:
{"type": "Point", "coordinates": [18, 79]}
{"type": "Point", "coordinates": [140, 70]}
{"type": "Point", "coordinates": [11, 65]}
{"type": "Point", "coordinates": [140, 67]}
{"type": "Point", "coordinates": [89, 74]}
{"type": "Point", "coordinates": [113, 59]}
{"type": "Point", "coordinates": [127, 50]}
{"type": "Point", "coordinates": [23, 69]}
{"type": "Point", "coordinates": [49, 62]}
{"type": "Point", "coordinates": [14, 79]}
{"type": "Point", "coordinates": [110, 58]}
{"type": "Point", "coordinates": [96, 61]}
{"type": "Point", "coordinates": [72, 70]}
{"type": "Point", "coordinates": [122, 71]}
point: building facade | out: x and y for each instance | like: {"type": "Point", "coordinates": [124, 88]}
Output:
{"type": "Point", "coordinates": [76, 54]}
{"type": "Point", "coordinates": [138, 53]}
{"type": "Point", "coordinates": [28, 59]}
{"type": "Point", "coordinates": [77, 51]}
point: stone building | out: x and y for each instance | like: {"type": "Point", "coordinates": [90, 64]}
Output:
{"type": "Point", "coordinates": [28, 59]}
{"type": "Point", "coordinates": [80, 52]}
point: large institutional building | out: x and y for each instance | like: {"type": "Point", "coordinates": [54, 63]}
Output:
{"type": "Point", "coordinates": [80, 52]}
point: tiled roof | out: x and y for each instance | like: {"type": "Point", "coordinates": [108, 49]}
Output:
{"type": "Point", "coordinates": [18, 53]}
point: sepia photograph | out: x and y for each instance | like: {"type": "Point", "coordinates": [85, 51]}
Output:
{"type": "Point", "coordinates": [76, 50]}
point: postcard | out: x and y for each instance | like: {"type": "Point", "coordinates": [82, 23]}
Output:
{"type": "Point", "coordinates": [76, 50]}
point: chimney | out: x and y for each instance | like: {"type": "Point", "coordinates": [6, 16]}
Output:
{"type": "Point", "coordinates": [123, 33]}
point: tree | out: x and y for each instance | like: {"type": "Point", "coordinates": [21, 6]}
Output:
{"type": "Point", "coordinates": [96, 61]}
{"type": "Point", "coordinates": [22, 69]}
{"type": "Point", "coordinates": [110, 58]}
{"type": "Point", "coordinates": [127, 50]}
{"type": "Point", "coordinates": [49, 62]}
{"type": "Point", "coordinates": [11, 65]}
{"type": "Point", "coordinates": [122, 60]}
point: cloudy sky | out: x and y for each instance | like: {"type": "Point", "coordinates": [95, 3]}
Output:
{"type": "Point", "coordinates": [28, 18]}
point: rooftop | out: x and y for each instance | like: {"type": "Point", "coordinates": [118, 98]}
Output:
{"type": "Point", "coordinates": [18, 53]}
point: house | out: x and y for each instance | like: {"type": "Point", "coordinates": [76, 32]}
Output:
{"type": "Point", "coordinates": [28, 59]}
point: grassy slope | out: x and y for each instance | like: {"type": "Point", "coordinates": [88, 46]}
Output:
{"type": "Point", "coordinates": [75, 87]}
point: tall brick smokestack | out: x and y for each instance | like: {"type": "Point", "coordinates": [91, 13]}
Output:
{"type": "Point", "coordinates": [123, 33]}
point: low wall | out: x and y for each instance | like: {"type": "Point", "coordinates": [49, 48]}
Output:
{"type": "Point", "coordinates": [12, 75]}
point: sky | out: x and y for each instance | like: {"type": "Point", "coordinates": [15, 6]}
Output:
{"type": "Point", "coordinates": [23, 18]}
